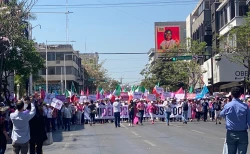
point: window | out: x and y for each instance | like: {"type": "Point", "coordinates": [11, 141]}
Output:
{"type": "Point", "coordinates": [69, 70]}
{"type": "Point", "coordinates": [232, 5]}
{"type": "Point", "coordinates": [58, 70]}
{"type": "Point", "coordinates": [243, 10]}
{"type": "Point", "coordinates": [225, 15]}
{"type": "Point", "coordinates": [68, 57]}
{"type": "Point", "coordinates": [207, 5]}
{"type": "Point", "coordinates": [51, 70]}
{"type": "Point", "coordinates": [59, 56]}
{"type": "Point", "coordinates": [51, 56]}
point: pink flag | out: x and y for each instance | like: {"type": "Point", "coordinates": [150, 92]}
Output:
{"type": "Point", "coordinates": [87, 93]}
{"type": "Point", "coordinates": [180, 91]}
{"type": "Point", "coordinates": [82, 92]}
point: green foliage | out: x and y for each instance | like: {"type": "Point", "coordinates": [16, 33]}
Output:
{"type": "Point", "coordinates": [173, 75]}
{"type": "Point", "coordinates": [96, 76]}
{"type": "Point", "coordinates": [235, 45]}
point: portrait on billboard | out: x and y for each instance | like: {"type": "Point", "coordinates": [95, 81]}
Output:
{"type": "Point", "coordinates": [167, 37]}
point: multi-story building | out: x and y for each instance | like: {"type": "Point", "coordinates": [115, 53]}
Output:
{"type": "Point", "coordinates": [64, 64]}
{"type": "Point", "coordinates": [89, 58]}
{"type": "Point", "coordinates": [198, 26]}
{"type": "Point", "coordinates": [210, 19]}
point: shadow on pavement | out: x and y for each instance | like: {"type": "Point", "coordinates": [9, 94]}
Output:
{"type": "Point", "coordinates": [59, 134]}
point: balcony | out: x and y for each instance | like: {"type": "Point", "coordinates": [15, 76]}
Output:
{"type": "Point", "coordinates": [236, 21]}
{"type": "Point", "coordinates": [58, 77]}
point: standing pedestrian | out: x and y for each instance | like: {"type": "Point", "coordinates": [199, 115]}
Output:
{"type": "Point", "coordinates": [117, 110]}
{"type": "Point", "coordinates": [131, 110]}
{"type": "Point", "coordinates": [92, 108]}
{"type": "Point", "coordinates": [151, 109]}
{"type": "Point", "coordinates": [67, 115]}
{"type": "Point", "coordinates": [205, 107]}
{"type": "Point", "coordinates": [217, 108]}
{"type": "Point", "coordinates": [184, 111]}
{"type": "Point", "coordinates": [21, 130]}
{"type": "Point", "coordinates": [237, 115]}
{"type": "Point", "coordinates": [168, 109]}
{"type": "Point", "coordinates": [141, 107]}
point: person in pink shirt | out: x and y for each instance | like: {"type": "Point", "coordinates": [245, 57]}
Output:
{"type": "Point", "coordinates": [79, 110]}
{"type": "Point", "coordinates": [140, 108]}
{"type": "Point", "coordinates": [151, 109]}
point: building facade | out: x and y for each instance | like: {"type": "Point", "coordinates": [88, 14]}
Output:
{"type": "Point", "coordinates": [64, 64]}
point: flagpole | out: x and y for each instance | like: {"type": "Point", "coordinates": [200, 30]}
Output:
{"type": "Point", "coordinates": [61, 79]}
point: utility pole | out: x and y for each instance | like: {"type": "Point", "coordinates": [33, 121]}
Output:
{"type": "Point", "coordinates": [121, 80]}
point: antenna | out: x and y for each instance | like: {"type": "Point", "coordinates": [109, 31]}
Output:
{"type": "Point", "coordinates": [85, 45]}
{"type": "Point", "coordinates": [67, 22]}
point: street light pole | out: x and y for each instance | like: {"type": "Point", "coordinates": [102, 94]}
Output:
{"type": "Point", "coordinates": [47, 67]}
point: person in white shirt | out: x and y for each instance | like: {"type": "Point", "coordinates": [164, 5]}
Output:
{"type": "Point", "coordinates": [67, 115]}
{"type": "Point", "coordinates": [48, 111]}
{"type": "Point", "coordinates": [117, 110]}
{"type": "Point", "coordinates": [21, 132]}
{"type": "Point", "coordinates": [168, 109]}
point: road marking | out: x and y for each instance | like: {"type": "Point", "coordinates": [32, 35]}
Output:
{"type": "Point", "coordinates": [124, 126]}
{"type": "Point", "coordinates": [176, 125]}
{"type": "Point", "coordinates": [197, 131]}
{"type": "Point", "coordinates": [150, 143]}
{"type": "Point", "coordinates": [134, 133]}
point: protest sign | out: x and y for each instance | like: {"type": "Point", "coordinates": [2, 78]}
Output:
{"type": "Point", "coordinates": [179, 96]}
{"type": "Point", "coordinates": [137, 95]}
{"type": "Point", "coordinates": [48, 98]}
{"type": "Point", "coordinates": [124, 96]}
{"type": "Point", "coordinates": [56, 103]}
{"type": "Point", "coordinates": [151, 97]}
{"type": "Point", "coordinates": [61, 98]}
{"type": "Point", "coordinates": [92, 97]}
{"type": "Point", "coordinates": [82, 99]}
{"type": "Point", "coordinates": [165, 95]}
{"type": "Point", "coordinates": [159, 90]}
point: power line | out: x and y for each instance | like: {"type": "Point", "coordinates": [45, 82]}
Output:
{"type": "Point", "coordinates": [122, 4]}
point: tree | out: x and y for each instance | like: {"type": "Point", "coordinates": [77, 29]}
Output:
{"type": "Point", "coordinates": [19, 56]}
{"type": "Point", "coordinates": [235, 44]}
{"type": "Point", "coordinates": [96, 76]}
{"type": "Point", "coordinates": [175, 74]}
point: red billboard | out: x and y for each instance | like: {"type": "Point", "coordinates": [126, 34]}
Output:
{"type": "Point", "coordinates": [167, 37]}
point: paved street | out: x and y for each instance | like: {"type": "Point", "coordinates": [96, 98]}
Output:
{"type": "Point", "coordinates": [205, 138]}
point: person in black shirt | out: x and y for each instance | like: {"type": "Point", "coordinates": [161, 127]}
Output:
{"type": "Point", "coordinates": [3, 134]}
{"type": "Point", "coordinates": [205, 107]}
{"type": "Point", "coordinates": [131, 110]}
{"type": "Point", "coordinates": [92, 113]}
{"type": "Point", "coordinates": [217, 109]}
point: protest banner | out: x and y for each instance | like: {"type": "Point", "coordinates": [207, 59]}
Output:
{"type": "Point", "coordinates": [137, 95]}
{"type": "Point", "coordinates": [151, 97]}
{"type": "Point", "coordinates": [179, 96]}
{"type": "Point", "coordinates": [56, 103]}
{"type": "Point", "coordinates": [159, 90]}
{"type": "Point", "coordinates": [166, 95]}
{"type": "Point", "coordinates": [106, 112]}
{"type": "Point", "coordinates": [92, 97]}
{"type": "Point", "coordinates": [191, 96]}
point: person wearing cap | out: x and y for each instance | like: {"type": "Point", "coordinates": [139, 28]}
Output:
{"type": "Point", "coordinates": [237, 115]}
{"type": "Point", "coordinates": [141, 107]}
{"type": "Point", "coordinates": [21, 130]}
{"type": "Point", "coordinates": [117, 110]}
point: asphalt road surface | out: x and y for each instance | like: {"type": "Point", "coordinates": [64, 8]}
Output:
{"type": "Point", "coordinates": [178, 138]}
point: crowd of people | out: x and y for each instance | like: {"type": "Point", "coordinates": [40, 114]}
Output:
{"type": "Point", "coordinates": [22, 119]}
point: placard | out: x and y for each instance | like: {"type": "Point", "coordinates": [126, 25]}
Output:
{"type": "Point", "coordinates": [83, 98]}
{"type": "Point", "coordinates": [124, 96]}
{"type": "Point", "coordinates": [56, 103]}
{"type": "Point", "coordinates": [92, 97]}
{"type": "Point", "coordinates": [137, 95]}
{"type": "Point", "coordinates": [166, 95]}
{"type": "Point", "coordinates": [151, 97]}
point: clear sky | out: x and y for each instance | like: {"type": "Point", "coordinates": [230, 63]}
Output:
{"type": "Point", "coordinates": [110, 29]}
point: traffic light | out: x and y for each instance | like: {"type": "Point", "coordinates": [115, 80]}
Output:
{"type": "Point", "coordinates": [169, 59]}
{"type": "Point", "coordinates": [210, 80]}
